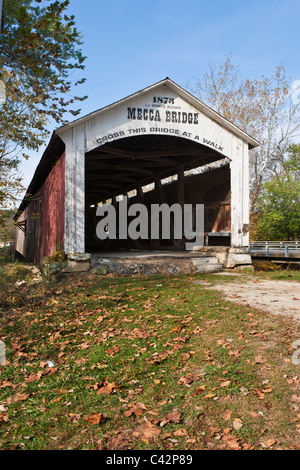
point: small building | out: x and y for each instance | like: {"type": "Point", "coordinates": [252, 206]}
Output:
{"type": "Point", "coordinates": [132, 147]}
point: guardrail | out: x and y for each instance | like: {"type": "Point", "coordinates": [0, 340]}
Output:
{"type": "Point", "coordinates": [269, 248]}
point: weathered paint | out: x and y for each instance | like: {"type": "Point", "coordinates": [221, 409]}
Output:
{"type": "Point", "coordinates": [239, 171]}
{"type": "Point", "coordinates": [44, 217]}
{"type": "Point", "coordinates": [132, 116]}
{"type": "Point", "coordinates": [75, 194]}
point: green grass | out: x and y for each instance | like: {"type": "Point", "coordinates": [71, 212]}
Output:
{"type": "Point", "coordinates": [163, 345]}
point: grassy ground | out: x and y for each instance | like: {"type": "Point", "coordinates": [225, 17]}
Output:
{"type": "Point", "coordinates": [143, 363]}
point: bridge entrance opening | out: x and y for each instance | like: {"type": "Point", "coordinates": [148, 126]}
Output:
{"type": "Point", "coordinates": [157, 169]}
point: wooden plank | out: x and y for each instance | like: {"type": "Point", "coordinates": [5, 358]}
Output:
{"type": "Point", "coordinates": [239, 194]}
{"type": "Point", "coordinates": [180, 185]}
{"type": "Point", "coordinates": [74, 238]}
{"type": "Point", "coordinates": [123, 168]}
{"type": "Point", "coordinates": [173, 152]}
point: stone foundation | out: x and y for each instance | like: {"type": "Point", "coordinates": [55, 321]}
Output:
{"type": "Point", "coordinates": [53, 269]}
{"type": "Point", "coordinates": [164, 266]}
{"type": "Point", "coordinates": [147, 263]}
{"type": "Point", "coordinates": [209, 259]}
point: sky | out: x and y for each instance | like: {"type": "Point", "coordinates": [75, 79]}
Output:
{"type": "Point", "coordinates": [132, 44]}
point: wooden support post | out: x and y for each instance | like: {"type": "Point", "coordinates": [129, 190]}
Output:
{"type": "Point", "coordinates": [180, 198]}
{"type": "Point", "coordinates": [239, 174]}
{"type": "Point", "coordinates": [180, 185]}
{"type": "Point", "coordinates": [116, 206]}
{"type": "Point", "coordinates": [74, 239]}
{"type": "Point", "coordinates": [159, 199]}
{"type": "Point", "coordinates": [141, 199]}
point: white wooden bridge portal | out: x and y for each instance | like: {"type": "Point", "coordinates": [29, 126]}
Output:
{"type": "Point", "coordinates": [127, 148]}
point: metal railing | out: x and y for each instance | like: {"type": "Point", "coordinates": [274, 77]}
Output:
{"type": "Point", "coordinates": [275, 247]}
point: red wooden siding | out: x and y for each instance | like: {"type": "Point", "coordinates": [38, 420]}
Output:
{"type": "Point", "coordinates": [44, 218]}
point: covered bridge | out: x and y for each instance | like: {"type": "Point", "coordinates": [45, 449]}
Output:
{"type": "Point", "coordinates": [132, 147]}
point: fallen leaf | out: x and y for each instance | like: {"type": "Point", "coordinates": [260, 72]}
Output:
{"type": "Point", "coordinates": [99, 445]}
{"type": "Point", "coordinates": [253, 414]}
{"type": "Point", "coordinates": [43, 364]}
{"type": "Point", "coordinates": [6, 383]}
{"type": "Point", "coordinates": [173, 417]}
{"type": "Point", "coordinates": [184, 380]}
{"type": "Point", "coordinates": [259, 360]}
{"type": "Point", "coordinates": [4, 417]}
{"type": "Point", "coordinates": [227, 430]}
{"type": "Point", "coordinates": [258, 393]}
{"type": "Point", "coordinates": [295, 398]}
{"type": "Point", "coordinates": [106, 388]}
{"type": "Point", "coordinates": [231, 442]}
{"type": "Point", "coordinates": [96, 418]}
{"type": "Point", "coordinates": [137, 409]}
{"type": "Point", "coordinates": [226, 383]}
{"type": "Point", "coordinates": [210, 395]}
{"type": "Point", "coordinates": [199, 390]}
{"type": "Point", "coordinates": [180, 432]}
{"type": "Point", "coordinates": [56, 400]}
{"type": "Point", "coordinates": [146, 431]}
{"type": "Point", "coordinates": [237, 424]}
{"type": "Point", "coordinates": [267, 390]}
{"type": "Point", "coordinates": [20, 397]}
{"type": "Point", "coordinates": [33, 378]}
{"type": "Point", "coordinates": [185, 356]}
{"type": "Point", "coordinates": [227, 415]}
{"type": "Point", "coordinates": [268, 443]}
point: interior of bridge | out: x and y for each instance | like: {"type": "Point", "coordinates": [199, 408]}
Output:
{"type": "Point", "coordinates": [157, 169]}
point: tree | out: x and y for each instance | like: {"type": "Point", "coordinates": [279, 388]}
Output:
{"type": "Point", "coordinates": [10, 183]}
{"type": "Point", "coordinates": [263, 108]}
{"type": "Point", "coordinates": [278, 216]}
{"type": "Point", "coordinates": [7, 226]}
{"type": "Point", "coordinates": [39, 50]}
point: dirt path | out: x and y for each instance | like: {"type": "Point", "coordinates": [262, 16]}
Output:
{"type": "Point", "coordinates": [278, 297]}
